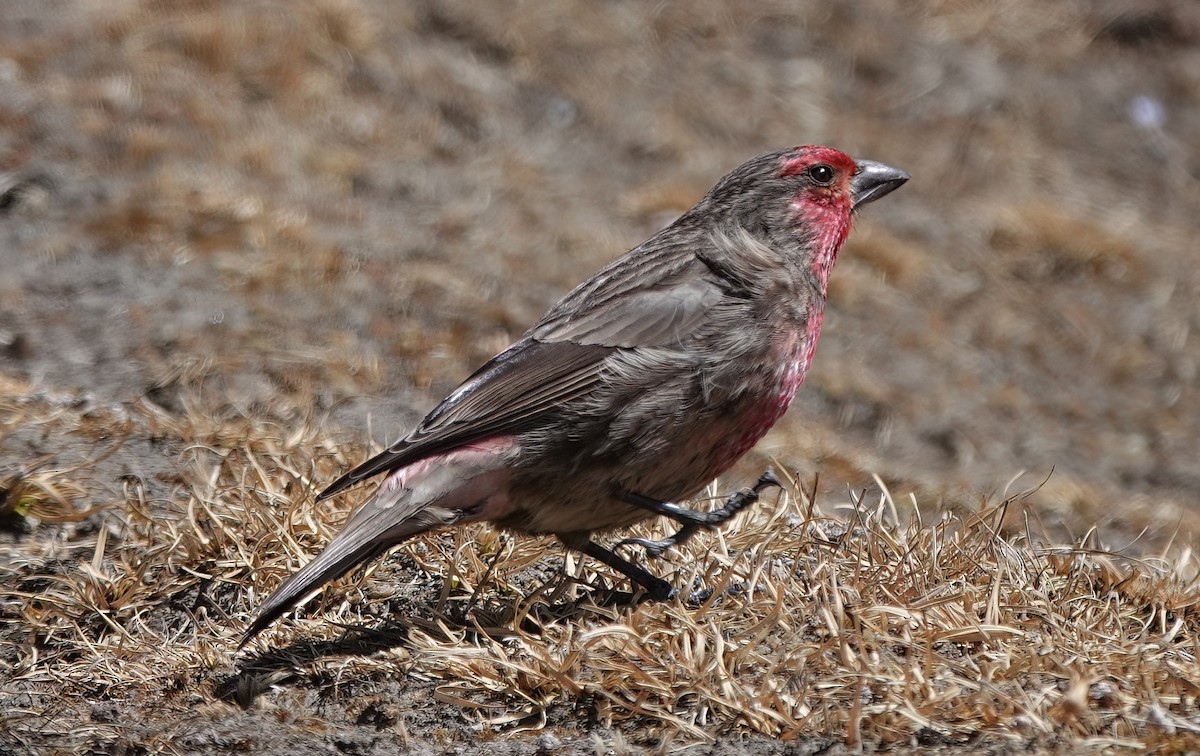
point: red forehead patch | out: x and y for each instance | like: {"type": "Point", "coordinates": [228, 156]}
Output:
{"type": "Point", "coordinates": [800, 159]}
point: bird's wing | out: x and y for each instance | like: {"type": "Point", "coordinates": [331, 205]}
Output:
{"type": "Point", "coordinates": [663, 315]}
{"type": "Point", "coordinates": [656, 296]}
{"type": "Point", "coordinates": [562, 357]}
{"type": "Point", "coordinates": [506, 395]}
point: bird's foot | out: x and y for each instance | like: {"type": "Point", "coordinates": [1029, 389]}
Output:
{"type": "Point", "coordinates": [700, 595]}
{"type": "Point", "coordinates": [693, 520]}
{"type": "Point", "coordinates": [654, 549]}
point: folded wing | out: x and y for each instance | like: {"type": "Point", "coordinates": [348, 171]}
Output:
{"type": "Point", "coordinates": [664, 300]}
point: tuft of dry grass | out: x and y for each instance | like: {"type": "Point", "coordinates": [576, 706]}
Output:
{"type": "Point", "coordinates": [866, 620]}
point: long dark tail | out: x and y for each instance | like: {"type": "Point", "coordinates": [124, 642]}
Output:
{"type": "Point", "coordinates": [382, 522]}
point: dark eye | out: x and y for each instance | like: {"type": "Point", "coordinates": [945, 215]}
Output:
{"type": "Point", "coordinates": [821, 174]}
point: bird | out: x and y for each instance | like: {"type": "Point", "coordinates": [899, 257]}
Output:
{"type": "Point", "coordinates": [632, 393]}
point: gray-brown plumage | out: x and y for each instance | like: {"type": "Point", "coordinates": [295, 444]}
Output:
{"type": "Point", "coordinates": [635, 390]}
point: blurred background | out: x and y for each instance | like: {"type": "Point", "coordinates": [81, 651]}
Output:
{"type": "Point", "coordinates": [335, 211]}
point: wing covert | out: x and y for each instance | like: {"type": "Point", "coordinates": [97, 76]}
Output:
{"type": "Point", "coordinates": [508, 394]}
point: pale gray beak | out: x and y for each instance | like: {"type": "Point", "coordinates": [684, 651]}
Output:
{"type": "Point", "coordinates": [873, 180]}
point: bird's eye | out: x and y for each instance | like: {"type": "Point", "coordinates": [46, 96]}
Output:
{"type": "Point", "coordinates": [822, 174]}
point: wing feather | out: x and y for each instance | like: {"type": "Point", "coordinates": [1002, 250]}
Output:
{"type": "Point", "coordinates": [510, 393]}
{"type": "Point", "coordinates": [666, 296]}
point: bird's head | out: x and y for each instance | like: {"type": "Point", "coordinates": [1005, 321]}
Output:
{"type": "Point", "coordinates": [827, 185]}
{"type": "Point", "coordinates": [798, 201]}
{"type": "Point", "coordinates": [810, 184]}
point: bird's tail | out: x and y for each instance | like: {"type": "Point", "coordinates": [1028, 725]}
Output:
{"type": "Point", "coordinates": [388, 518]}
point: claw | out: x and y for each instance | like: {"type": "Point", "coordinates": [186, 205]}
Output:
{"type": "Point", "coordinates": [656, 588]}
{"type": "Point", "coordinates": [654, 549]}
{"type": "Point", "coordinates": [700, 595]}
{"type": "Point", "coordinates": [663, 591]}
{"type": "Point", "coordinates": [766, 480]}
{"type": "Point", "coordinates": [694, 521]}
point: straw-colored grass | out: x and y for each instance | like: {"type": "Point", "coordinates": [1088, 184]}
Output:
{"type": "Point", "coordinates": [863, 620]}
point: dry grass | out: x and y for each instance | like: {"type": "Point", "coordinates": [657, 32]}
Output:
{"type": "Point", "coordinates": [865, 620]}
{"type": "Point", "coordinates": [322, 207]}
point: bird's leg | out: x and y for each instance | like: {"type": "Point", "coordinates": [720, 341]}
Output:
{"type": "Point", "coordinates": [693, 520]}
{"type": "Point", "coordinates": [656, 588]}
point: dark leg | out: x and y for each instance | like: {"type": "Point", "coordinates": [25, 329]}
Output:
{"type": "Point", "coordinates": [692, 520]}
{"type": "Point", "coordinates": [656, 588]}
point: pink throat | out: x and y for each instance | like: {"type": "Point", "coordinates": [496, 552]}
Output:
{"type": "Point", "coordinates": [832, 221]}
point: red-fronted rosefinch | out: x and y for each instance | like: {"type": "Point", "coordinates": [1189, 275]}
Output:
{"type": "Point", "coordinates": [639, 387]}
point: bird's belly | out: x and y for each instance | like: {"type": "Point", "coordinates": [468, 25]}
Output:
{"type": "Point", "coordinates": [673, 464]}
{"type": "Point", "coordinates": [587, 513]}
{"type": "Point", "coordinates": [666, 444]}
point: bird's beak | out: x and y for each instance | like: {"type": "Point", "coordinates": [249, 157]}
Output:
{"type": "Point", "coordinates": [873, 180]}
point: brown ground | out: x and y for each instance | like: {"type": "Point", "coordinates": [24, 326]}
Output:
{"type": "Point", "coordinates": [249, 239]}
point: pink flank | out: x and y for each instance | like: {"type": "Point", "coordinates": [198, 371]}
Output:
{"type": "Point", "coordinates": [472, 478]}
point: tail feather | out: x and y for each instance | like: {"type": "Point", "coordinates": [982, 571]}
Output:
{"type": "Point", "coordinates": [308, 580]}
{"type": "Point", "coordinates": [464, 485]}
{"type": "Point", "coordinates": [386, 520]}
